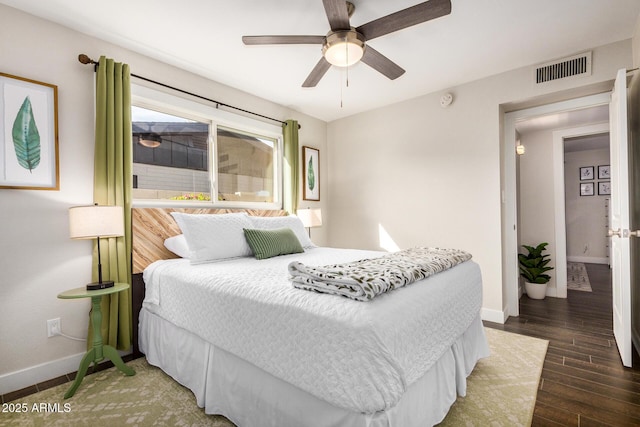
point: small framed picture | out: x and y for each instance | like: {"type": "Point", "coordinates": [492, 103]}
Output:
{"type": "Point", "coordinates": [604, 172]}
{"type": "Point", "coordinates": [586, 173]}
{"type": "Point", "coordinates": [311, 173]}
{"type": "Point", "coordinates": [604, 188]}
{"type": "Point", "coordinates": [586, 189]}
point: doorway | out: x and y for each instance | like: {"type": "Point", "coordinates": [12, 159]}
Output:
{"type": "Point", "coordinates": [562, 120]}
{"type": "Point", "coordinates": [563, 201]}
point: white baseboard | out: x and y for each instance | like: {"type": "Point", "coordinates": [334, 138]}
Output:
{"type": "Point", "coordinates": [588, 259]}
{"type": "Point", "coordinates": [46, 371]}
{"type": "Point", "coordinates": [36, 374]}
{"type": "Point", "coordinates": [495, 316]}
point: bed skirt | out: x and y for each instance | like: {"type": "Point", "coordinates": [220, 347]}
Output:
{"type": "Point", "coordinates": [248, 396]}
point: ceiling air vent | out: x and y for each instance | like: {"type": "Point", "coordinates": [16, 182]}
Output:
{"type": "Point", "coordinates": [572, 66]}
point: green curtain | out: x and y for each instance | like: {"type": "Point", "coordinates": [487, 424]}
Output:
{"type": "Point", "coordinates": [112, 186]}
{"type": "Point", "coordinates": [291, 160]}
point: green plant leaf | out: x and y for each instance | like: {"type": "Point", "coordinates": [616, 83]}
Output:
{"type": "Point", "coordinates": [26, 139]}
{"type": "Point", "coordinates": [311, 176]}
{"type": "Point", "coordinates": [533, 265]}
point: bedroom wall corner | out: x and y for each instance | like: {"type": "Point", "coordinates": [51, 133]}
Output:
{"type": "Point", "coordinates": [314, 134]}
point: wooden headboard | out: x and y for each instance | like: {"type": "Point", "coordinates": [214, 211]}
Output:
{"type": "Point", "coordinates": [151, 226]}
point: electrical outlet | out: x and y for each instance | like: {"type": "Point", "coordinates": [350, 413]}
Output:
{"type": "Point", "coordinates": [53, 327]}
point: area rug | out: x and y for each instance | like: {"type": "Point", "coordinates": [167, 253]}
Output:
{"type": "Point", "coordinates": [577, 277]}
{"type": "Point", "coordinates": [501, 391]}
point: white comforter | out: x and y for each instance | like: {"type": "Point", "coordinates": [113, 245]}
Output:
{"type": "Point", "coordinates": [356, 355]}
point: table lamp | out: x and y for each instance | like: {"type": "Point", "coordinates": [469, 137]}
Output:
{"type": "Point", "coordinates": [310, 218]}
{"type": "Point", "coordinates": [94, 222]}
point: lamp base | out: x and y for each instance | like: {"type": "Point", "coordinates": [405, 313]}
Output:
{"type": "Point", "coordinates": [100, 285]}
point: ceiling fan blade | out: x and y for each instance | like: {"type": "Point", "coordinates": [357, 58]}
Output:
{"type": "Point", "coordinates": [255, 40]}
{"type": "Point", "coordinates": [381, 63]}
{"type": "Point", "coordinates": [413, 15]}
{"type": "Point", "coordinates": [317, 73]}
{"type": "Point", "coordinates": [337, 14]}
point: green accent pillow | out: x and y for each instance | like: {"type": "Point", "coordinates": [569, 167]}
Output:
{"type": "Point", "coordinates": [270, 243]}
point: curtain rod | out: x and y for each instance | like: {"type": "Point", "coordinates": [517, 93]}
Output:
{"type": "Point", "coordinates": [86, 60]}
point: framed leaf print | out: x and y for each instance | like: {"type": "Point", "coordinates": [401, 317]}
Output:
{"type": "Point", "coordinates": [311, 173]}
{"type": "Point", "coordinates": [28, 134]}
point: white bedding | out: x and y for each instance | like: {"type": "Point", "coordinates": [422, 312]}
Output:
{"type": "Point", "coordinates": [360, 356]}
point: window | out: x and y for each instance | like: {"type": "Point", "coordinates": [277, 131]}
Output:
{"type": "Point", "coordinates": [170, 156]}
{"type": "Point", "coordinates": [185, 152]}
{"type": "Point", "coordinates": [245, 166]}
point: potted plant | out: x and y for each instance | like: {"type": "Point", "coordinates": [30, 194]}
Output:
{"type": "Point", "coordinates": [533, 268]}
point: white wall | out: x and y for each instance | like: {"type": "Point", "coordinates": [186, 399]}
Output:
{"type": "Point", "coordinates": [636, 44]}
{"type": "Point", "coordinates": [536, 194]}
{"type": "Point", "coordinates": [37, 258]}
{"type": "Point", "coordinates": [586, 215]}
{"type": "Point", "coordinates": [431, 176]}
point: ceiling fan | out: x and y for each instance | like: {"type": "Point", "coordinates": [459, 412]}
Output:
{"type": "Point", "coordinates": [345, 45]}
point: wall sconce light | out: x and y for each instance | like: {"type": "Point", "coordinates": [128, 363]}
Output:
{"type": "Point", "coordinates": [150, 140]}
{"type": "Point", "coordinates": [519, 149]}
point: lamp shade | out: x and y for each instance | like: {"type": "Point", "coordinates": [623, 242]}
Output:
{"type": "Point", "coordinates": [310, 217]}
{"type": "Point", "coordinates": [89, 222]}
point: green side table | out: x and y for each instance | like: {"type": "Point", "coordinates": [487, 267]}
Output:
{"type": "Point", "coordinates": [98, 351]}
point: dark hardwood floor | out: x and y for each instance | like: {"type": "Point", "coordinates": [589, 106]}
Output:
{"type": "Point", "coordinates": [583, 381]}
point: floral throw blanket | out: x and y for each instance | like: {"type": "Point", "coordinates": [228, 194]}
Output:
{"type": "Point", "coordinates": [367, 278]}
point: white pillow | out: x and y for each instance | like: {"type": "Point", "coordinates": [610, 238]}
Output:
{"type": "Point", "coordinates": [178, 245]}
{"type": "Point", "coordinates": [212, 237]}
{"type": "Point", "coordinates": [290, 221]}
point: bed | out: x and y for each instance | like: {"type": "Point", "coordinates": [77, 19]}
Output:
{"type": "Point", "coordinates": [263, 353]}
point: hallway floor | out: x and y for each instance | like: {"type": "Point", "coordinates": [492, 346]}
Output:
{"type": "Point", "coordinates": [583, 381]}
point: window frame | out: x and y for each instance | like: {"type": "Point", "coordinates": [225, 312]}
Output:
{"type": "Point", "coordinates": [146, 97]}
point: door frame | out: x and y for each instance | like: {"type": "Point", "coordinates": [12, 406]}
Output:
{"type": "Point", "coordinates": [509, 191]}
{"type": "Point", "coordinates": [560, 221]}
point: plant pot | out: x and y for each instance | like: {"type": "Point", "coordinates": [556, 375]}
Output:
{"type": "Point", "coordinates": [536, 290]}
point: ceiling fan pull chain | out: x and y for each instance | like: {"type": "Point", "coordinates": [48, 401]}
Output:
{"type": "Point", "coordinates": [340, 84]}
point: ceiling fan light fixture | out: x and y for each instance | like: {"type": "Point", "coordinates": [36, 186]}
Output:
{"type": "Point", "coordinates": [343, 48]}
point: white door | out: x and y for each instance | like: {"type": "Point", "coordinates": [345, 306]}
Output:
{"type": "Point", "coordinates": [620, 248]}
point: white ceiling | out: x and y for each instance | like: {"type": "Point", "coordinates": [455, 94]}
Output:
{"type": "Point", "coordinates": [479, 38]}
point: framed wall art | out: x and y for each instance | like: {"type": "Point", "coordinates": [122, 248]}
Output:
{"type": "Point", "coordinates": [586, 189]}
{"type": "Point", "coordinates": [28, 134]}
{"type": "Point", "coordinates": [604, 172]}
{"type": "Point", "coordinates": [586, 173]}
{"type": "Point", "coordinates": [311, 173]}
{"type": "Point", "coordinates": [604, 188]}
